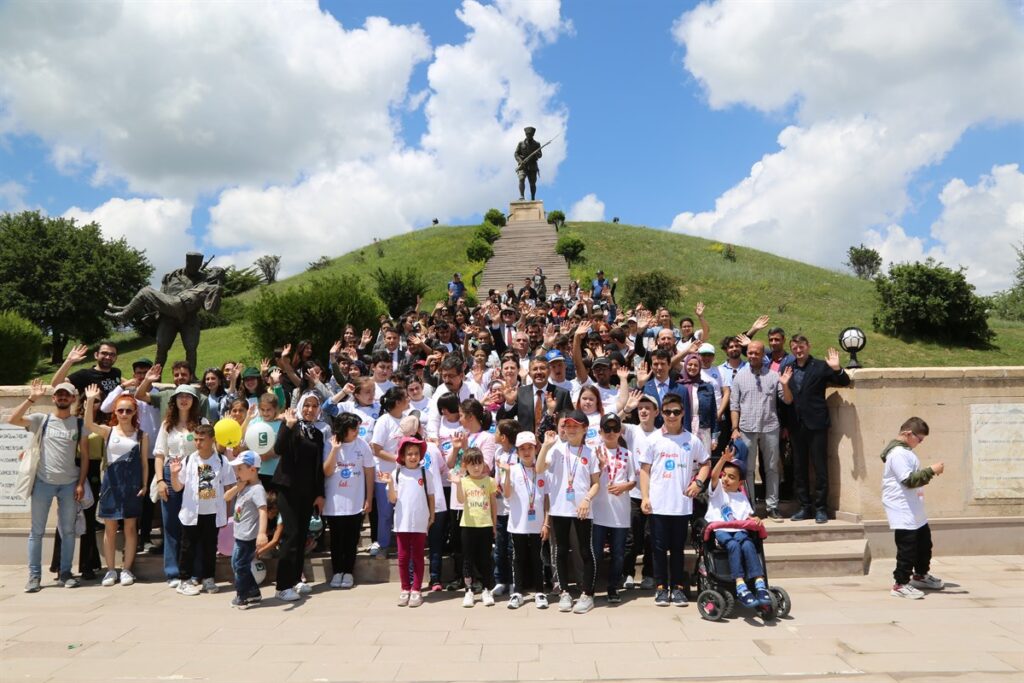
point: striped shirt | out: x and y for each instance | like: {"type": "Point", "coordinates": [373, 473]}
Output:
{"type": "Point", "coordinates": [753, 395]}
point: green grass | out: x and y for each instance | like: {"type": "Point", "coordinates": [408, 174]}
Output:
{"type": "Point", "coordinates": [799, 297]}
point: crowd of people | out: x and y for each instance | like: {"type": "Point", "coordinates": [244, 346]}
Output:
{"type": "Point", "coordinates": [530, 438]}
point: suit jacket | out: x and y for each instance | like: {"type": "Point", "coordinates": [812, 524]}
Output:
{"type": "Point", "coordinates": [809, 405]}
{"type": "Point", "coordinates": [522, 411]}
{"type": "Point", "coordinates": [498, 336]}
{"type": "Point", "coordinates": [651, 389]}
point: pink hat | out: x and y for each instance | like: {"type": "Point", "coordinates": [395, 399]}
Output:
{"type": "Point", "coordinates": [405, 440]}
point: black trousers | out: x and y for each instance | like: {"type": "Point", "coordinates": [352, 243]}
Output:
{"type": "Point", "coordinates": [476, 552]}
{"type": "Point", "coordinates": [561, 528]}
{"type": "Point", "coordinates": [527, 564]}
{"type": "Point", "coordinates": [913, 553]}
{"type": "Point", "coordinates": [202, 537]}
{"type": "Point", "coordinates": [810, 448]}
{"type": "Point", "coordinates": [344, 530]}
{"type": "Point", "coordinates": [296, 510]}
{"type": "Point", "coordinates": [638, 541]}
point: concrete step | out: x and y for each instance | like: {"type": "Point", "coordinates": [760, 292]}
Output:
{"type": "Point", "coordinates": [808, 531]}
{"type": "Point", "coordinates": [818, 558]}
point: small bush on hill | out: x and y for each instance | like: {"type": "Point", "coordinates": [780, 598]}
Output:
{"type": "Point", "coordinates": [930, 301]}
{"type": "Point", "coordinates": [320, 263]}
{"type": "Point", "coordinates": [399, 288]}
{"type": "Point", "coordinates": [317, 310]}
{"type": "Point", "coordinates": [652, 289]}
{"type": "Point", "coordinates": [487, 232]}
{"type": "Point", "coordinates": [479, 250]}
{"type": "Point", "coordinates": [22, 342]}
{"type": "Point", "coordinates": [865, 262]}
{"type": "Point", "coordinates": [237, 281]}
{"type": "Point", "coordinates": [571, 247]}
{"type": "Point", "coordinates": [495, 217]}
{"type": "Point", "coordinates": [556, 218]}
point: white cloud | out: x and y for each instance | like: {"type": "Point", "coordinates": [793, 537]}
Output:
{"type": "Point", "coordinates": [182, 97]}
{"type": "Point", "coordinates": [12, 196]}
{"type": "Point", "coordinates": [158, 225]}
{"type": "Point", "coordinates": [878, 91]}
{"type": "Point", "coordinates": [589, 208]}
{"type": "Point", "coordinates": [978, 228]}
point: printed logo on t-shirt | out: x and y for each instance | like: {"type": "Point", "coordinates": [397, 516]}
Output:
{"type": "Point", "coordinates": [420, 481]}
{"type": "Point", "coordinates": [362, 430]}
{"type": "Point", "coordinates": [592, 433]}
{"type": "Point", "coordinates": [346, 473]}
{"type": "Point", "coordinates": [427, 460]}
{"type": "Point", "coordinates": [540, 483]}
{"type": "Point", "coordinates": [206, 476]}
{"type": "Point", "coordinates": [670, 465]}
{"type": "Point", "coordinates": [583, 460]}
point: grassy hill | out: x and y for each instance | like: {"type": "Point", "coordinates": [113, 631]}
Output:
{"type": "Point", "coordinates": [797, 296]}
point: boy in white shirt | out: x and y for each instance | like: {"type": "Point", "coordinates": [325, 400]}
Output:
{"type": "Point", "coordinates": [903, 499]}
{"type": "Point", "coordinates": [727, 503]}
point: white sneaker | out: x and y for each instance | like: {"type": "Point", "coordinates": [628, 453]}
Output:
{"type": "Point", "coordinates": [374, 549]}
{"type": "Point", "coordinates": [336, 580]}
{"type": "Point", "coordinates": [415, 599]}
{"type": "Point", "coordinates": [127, 578]}
{"type": "Point", "coordinates": [487, 597]}
{"type": "Point", "coordinates": [288, 595]}
{"type": "Point", "coordinates": [403, 598]}
{"type": "Point", "coordinates": [906, 591]}
{"type": "Point", "coordinates": [565, 602]}
{"type": "Point", "coordinates": [515, 601]}
{"type": "Point", "coordinates": [188, 588]}
{"type": "Point", "coordinates": [173, 583]}
{"type": "Point", "coordinates": [303, 588]}
{"type": "Point", "coordinates": [499, 590]}
{"type": "Point", "coordinates": [647, 583]}
{"type": "Point", "coordinates": [467, 599]}
{"type": "Point", "coordinates": [110, 578]}
{"type": "Point", "coordinates": [347, 581]}
{"type": "Point", "coordinates": [629, 583]}
{"type": "Point", "coordinates": [210, 586]}
{"type": "Point", "coordinates": [540, 600]}
{"type": "Point", "coordinates": [584, 604]}
{"type": "Point", "coordinates": [928, 582]}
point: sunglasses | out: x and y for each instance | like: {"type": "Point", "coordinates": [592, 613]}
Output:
{"type": "Point", "coordinates": [610, 430]}
{"type": "Point", "coordinates": [672, 412]}
{"type": "Point", "coordinates": [125, 411]}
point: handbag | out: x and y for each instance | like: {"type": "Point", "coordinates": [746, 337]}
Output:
{"type": "Point", "coordinates": [28, 464]}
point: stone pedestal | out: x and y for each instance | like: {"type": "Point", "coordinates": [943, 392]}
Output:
{"type": "Point", "coordinates": [526, 211]}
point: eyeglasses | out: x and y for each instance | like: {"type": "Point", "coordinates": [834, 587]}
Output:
{"type": "Point", "coordinates": [125, 411]}
{"type": "Point", "coordinates": [672, 413]}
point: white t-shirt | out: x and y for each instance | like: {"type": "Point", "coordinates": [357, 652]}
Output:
{"type": "Point", "coordinates": [421, 405]}
{"type": "Point", "coordinates": [636, 440]}
{"type": "Point", "coordinates": [502, 456]}
{"type": "Point", "coordinates": [411, 511]}
{"type": "Point", "coordinates": [367, 416]}
{"type": "Point", "coordinates": [203, 493]}
{"type": "Point", "coordinates": [527, 487]}
{"type": "Point", "coordinates": [437, 470]}
{"type": "Point", "coordinates": [381, 388]}
{"type": "Point", "coordinates": [569, 469]}
{"type": "Point", "coordinates": [593, 436]}
{"type": "Point", "coordinates": [173, 444]}
{"type": "Point", "coordinates": [713, 375]}
{"type": "Point", "coordinates": [445, 431]}
{"type": "Point", "coordinates": [674, 460]}
{"type": "Point", "coordinates": [387, 433]}
{"type": "Point", "coordinates": [611, 510]}
{"type": "Point", "coordinates": [119, 445]}
{"type": "Point", "coordinates": [724, 506]}
{"type": "Point", "coordinates": [609, 399]}
{"type": "Point", "coordinates": [903, 506]}
{"type": "Point", "coordinates": [485, 442]}
{"type": "Point", "coordinates": [345, 490]}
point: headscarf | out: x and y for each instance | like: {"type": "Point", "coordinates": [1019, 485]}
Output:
{"type": "Point", "coordinates": [684, 377]}
{"type": "Point", "coordinates": [308, 428]}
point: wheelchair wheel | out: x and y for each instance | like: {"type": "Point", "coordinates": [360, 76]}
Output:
{"type": "Point", "coordinates": [730, 604]}
{"type": "Point", "coordinates": [782, 599]}
{"type": "Point", "coordinates": [769, 612]}
{"type": "Point", "coordinates": [711, 605]}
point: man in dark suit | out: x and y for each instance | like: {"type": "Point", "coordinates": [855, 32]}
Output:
{"type": "Point", "coordinates": [503, 330]}
{"type": "Point", "coordinates": [810, 424]}
{"type": "Point", "coordinates": [661, 383]}
{"type": "Point", "coordinates": [530, 402]}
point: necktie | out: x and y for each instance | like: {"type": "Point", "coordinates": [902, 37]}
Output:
{"type": "Point", "coordinates": [508, 336]}
{"type": "Point", "coordinates": [538, 409]}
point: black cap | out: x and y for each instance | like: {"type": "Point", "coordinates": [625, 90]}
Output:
{"type": "Point", "coordinates": [577, 416]}
{"type": "Point", "coordinates": [601, 360]}
{"type": "Point", "coordinates": [142, 363]}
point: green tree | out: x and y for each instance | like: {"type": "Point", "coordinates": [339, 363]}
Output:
{"type": "Point", "coordinates": [269, 265]}
{"type": "Point", "coordinates": [865, 262]}
{"type": "Point", "coordinates": [1009, 303]}
{"type": "Point", "coordinates": [495, 217]}
{"type": "Point", "coordinates": [556, 218]}
{"type": "Point", "coordinates": [487, 232]}
{"type": "Point", "coordinates": [61, 276]}
{"type": "Point", "coordinates": [237, 280]}
{"type": "Point", "coordinates": [570, 247]}
{"type": "Point", "coordinates": [479, 250]}
{"type": "Point", "coordinates": [930, 301]}
{"type": "Point", "coordinates": [652, 289]}
{"type": "Point", "coordinates": [21, 342]}
{"type": "Point", "coordinates": [317, 310]}
{"type": "Point", "coordinates": [400, 288]}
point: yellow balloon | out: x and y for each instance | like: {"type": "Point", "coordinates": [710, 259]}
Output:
{"type": "Point", "coordinates": [228, 432]}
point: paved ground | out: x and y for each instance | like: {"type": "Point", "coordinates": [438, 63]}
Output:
{"type": "Point", "coordinates": [849, 630]}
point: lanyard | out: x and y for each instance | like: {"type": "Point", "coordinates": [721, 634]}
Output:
{"type": "Point", "coordinates": [531, 485]}
{"type": "Point", "coordinates": [620, 463]}
{"type": "Point", "coordinates": [575, 463]}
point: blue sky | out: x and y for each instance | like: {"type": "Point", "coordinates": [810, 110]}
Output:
{"type": "Point", "coordinates": [663, 109]}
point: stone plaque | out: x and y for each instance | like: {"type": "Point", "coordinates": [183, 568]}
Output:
{"type": "Point", "coordinates": [997, 446]}
{"type": "Point", "coordinates": [13, 441]}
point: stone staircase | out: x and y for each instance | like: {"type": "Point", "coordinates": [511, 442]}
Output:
{"type": "Point", "coordinates": [527, 241]}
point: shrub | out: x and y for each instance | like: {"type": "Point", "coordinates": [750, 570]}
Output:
{"type": "Point", "coordinates": [570, 247]}
{"type": "Point", "coordinates": [269, 265]}
{"type": "Point", "coordinates": [930, 301]}
{"type": "Point", "coordinates": [22, 342]}
{"type": "Point", "coordinates": [865, 262]}
{"type": "Point", "coordinates": [399, 288]}
{"type": "Point", "coordinates": [231, 311]}
{"type": "Point", "coordinates": [237, 281]}
{"type": "Point", "coordinates": [487, 232]}
{"type": "Point", "coordinates": [479, 250]}
{"type": "Point", "coordinates": [652, 289]}
{"type": "Point", "coordinates": [320, 263]}
{"type": "Point", "coordinates": [1008, 304]}
{"type": "Point", "coordinates": [495, 217]}
{"type": "Point", "coordinates": [729, 252]}
{"type": "Point", "coordinates": [317, 310]}
{"type": "Point", "coordinates": [556, 218]}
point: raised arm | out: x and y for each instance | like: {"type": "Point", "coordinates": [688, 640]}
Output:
{"type": "Point", "coordinates": [35, 392]}
{"type": "Point", "coordinates": [75, 356]}
{"type": "Point", "coordinates": [542, 457]}
{"type": "Point", "coordinates": [92, 392]}
{"type": "Point", "coordinates": [152, 375]}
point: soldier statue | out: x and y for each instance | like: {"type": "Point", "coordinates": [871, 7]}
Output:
{"type": "Point", "coordinates": [527, 153]}
{"type": "Point", "coordinates": [182, 294]}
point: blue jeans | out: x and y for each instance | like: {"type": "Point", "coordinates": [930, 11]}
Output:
{"type": "Point", "coordinates": [42, 498]}
{"type": "Point", "coordinates": [385, 514]}
{"type": "Point", "coordinates": [436, 536]}
{"type": "Point", "coordinates": [241, 562]}
{"type": "Point", "coordinates": [617, 540]}
{"type": "Point", "coordinates": [500, 554]}
{"type": "Point", "coordinates": [742, 552]}
{"type": "Point", "coordinates": [169, 510]}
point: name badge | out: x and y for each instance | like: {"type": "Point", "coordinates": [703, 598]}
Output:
{"type": "Point", "coordinates": [570, 496]}
{"type": "Point", "coordinates": [531, 516]}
